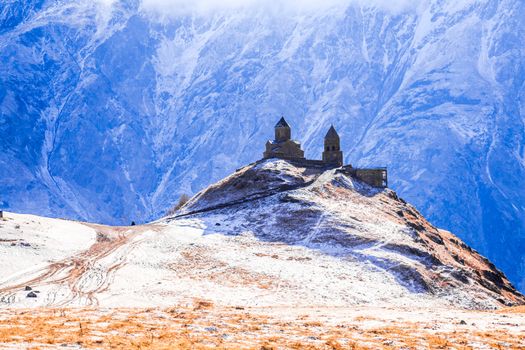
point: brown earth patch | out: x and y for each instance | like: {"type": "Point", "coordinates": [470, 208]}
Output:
{"type": "Point", "coordinates": [199, 263]}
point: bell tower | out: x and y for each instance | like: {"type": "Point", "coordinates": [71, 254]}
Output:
{"type": "Point", "coordinates": [332, 148]}
{"type": "Point", "coordinates": [282, 131]}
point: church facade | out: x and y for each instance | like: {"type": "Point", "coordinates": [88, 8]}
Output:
{"type": "Point", "coordinates": [284, 147]}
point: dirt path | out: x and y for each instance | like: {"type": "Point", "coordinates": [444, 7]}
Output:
{"type": "Point", "coordinates": [79, 278]}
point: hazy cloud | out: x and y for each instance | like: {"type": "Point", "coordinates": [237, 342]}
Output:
{"type": "Point", "coordinates": [201, 7]}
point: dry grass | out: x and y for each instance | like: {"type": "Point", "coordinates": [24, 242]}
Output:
{"type": "Point", "coordinates": [514, 310]}
{"type": "Point", "coordinates": [205, 326]}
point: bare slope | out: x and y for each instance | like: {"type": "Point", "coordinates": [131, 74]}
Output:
{"type": "Point", "coordinates": [271, 234]}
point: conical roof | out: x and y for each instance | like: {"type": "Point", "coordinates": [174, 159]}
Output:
{"type": "Point", "coordinates": [282, 123]}
{"type": "Point", "coordinates": [331, 134]}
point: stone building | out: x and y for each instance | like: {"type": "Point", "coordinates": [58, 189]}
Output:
{"type": "Point", "coordinates": [332, 148]}
{"type": "Point", "coordinates": [375, 177]}
{"type": "Point", "coordinates": [284, 147]}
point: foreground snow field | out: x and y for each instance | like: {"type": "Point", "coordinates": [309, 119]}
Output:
{"type": "Point", "coordinates": [29, 243]}
{"type": "Point", "coordinates": [163, 265]}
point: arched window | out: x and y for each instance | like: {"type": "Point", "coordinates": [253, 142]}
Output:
{"type": "Point", "coordinates": [333, 148]}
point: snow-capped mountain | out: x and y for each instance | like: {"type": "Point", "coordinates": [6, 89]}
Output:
{"type": "Point", "coordinates": [271, 234]}
{"type": "Point", "coordinates": [109, 110]}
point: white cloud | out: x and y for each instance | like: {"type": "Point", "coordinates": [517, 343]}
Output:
{"type": "Point", "coordinates": [105, 3]}
{"type": "Point", "coordinates": [203, 7]}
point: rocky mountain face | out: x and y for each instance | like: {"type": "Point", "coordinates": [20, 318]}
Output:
{"type": "Point", "coordinates": [109, 110]}
{"type": "Point", "coordinates": [271, 234]}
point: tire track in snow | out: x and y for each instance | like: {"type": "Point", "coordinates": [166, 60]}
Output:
{"type": "Point", "coordinates": [83, 275]}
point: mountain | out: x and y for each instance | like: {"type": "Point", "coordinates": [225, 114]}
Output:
{"type": "Point", "coordinates": [109, 110]}
{"type": "Point", "coordinates": [284, 233]}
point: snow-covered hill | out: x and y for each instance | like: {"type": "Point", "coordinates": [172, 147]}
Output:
{"type": "Point", "coordinates": [271, 234]}
{"type": "Point", "coordinates": [109, 110]}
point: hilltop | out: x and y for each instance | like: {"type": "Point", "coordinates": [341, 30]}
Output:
{"type": "Point", "coordinates": [377, 247]}
{"type": "Point", "coordinates": [274, 255]}
{"type": "Point", "coordinates": [270, 234]}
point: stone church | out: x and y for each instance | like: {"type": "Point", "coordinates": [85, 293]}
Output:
{"type": "Point", "coordinates": [284, 147]}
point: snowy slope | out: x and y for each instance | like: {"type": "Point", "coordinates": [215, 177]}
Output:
{"type": "Point", "coordinates": [329, 241]}
{"type": "Point", "coordinates": [109, 111]}
{"type": "Point", "coordinates": [32, 244]}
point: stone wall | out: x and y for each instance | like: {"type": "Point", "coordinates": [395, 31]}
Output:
{"type": "Point", "coordinates": [375, 177]}
{"type": "Point", "coordinates": [310, 163]}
